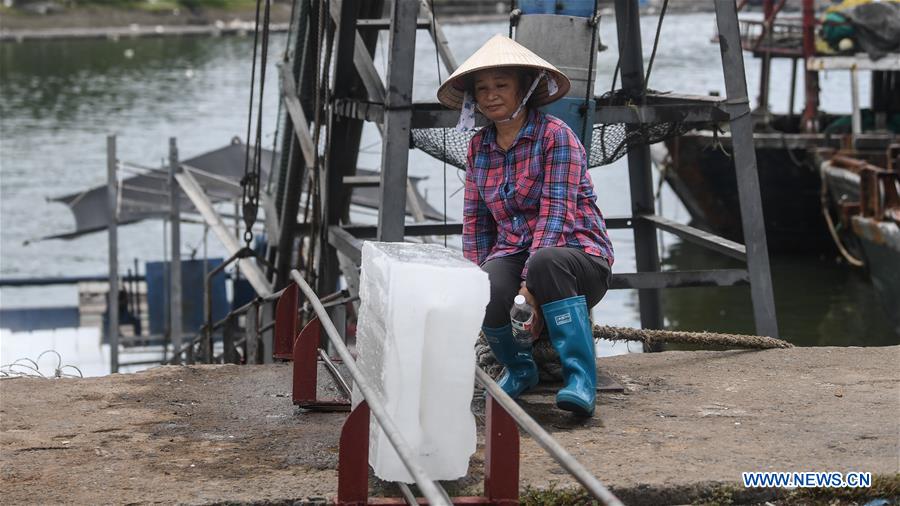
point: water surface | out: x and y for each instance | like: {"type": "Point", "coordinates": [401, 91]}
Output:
{"type": "Point", "coordinates": [61, 98]}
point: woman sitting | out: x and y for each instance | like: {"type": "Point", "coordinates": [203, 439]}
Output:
{"type": "Point", "coordinates": [530, 217]}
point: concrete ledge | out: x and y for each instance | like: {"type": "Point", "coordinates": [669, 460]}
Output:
{"type": "Point", "coordinates": [685, 428]}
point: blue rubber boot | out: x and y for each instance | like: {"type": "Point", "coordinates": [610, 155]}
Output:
{"type": "Point", "coordinates": [521, 372]}
{"type": "Point", "coordinates": [569, 326]}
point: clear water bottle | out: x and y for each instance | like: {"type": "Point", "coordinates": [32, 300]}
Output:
{"type": "Point", "coordinates": [521, 318]}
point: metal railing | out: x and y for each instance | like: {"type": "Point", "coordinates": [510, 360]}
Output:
{"type": "Point", "coordinates": [546, 441]}
{"type": "Point", "coordinates": [433, 492]}
{"type": "Point", "coordinates": [254, 351]}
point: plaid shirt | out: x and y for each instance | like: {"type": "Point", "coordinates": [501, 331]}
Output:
{"type": "Point", "coordinates": [537, 194]}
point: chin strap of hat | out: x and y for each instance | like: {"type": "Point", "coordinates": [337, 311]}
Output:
{"type": "Point", "coordinates": [467, 112]}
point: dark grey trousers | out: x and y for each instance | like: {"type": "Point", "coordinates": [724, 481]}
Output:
{"type": "Point", "coordinates": [553, 274]}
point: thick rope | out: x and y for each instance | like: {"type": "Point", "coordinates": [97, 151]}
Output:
{"type": "Point", "coordinates": [650, 337]}
{"type": "Point", "coordinates": [832, 229]}
{"type": "Point", "coordinates": [547, 359]}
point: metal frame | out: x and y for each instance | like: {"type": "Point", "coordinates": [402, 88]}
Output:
{"type": "Point", "coordinates": [646, 249]}
{"type": "Point", "coordinates": [194, 191]}
{"type": "Point", "coordinates": [257, 331]}
{"type": "Point", "coordinates": [396, 114]}
{"type": "Point", "coordinates": [761, 291]}
{"type": "Point", "coordinates": [503, 419]}
{"type": "Point", "coordinates": [657, 108]}
{"type": "Point", "coordinates": [397, 120]}
{"type": "Point", "coordinates": [430, 488]}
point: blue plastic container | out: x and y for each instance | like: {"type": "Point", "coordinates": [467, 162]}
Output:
{"type": "Point", "coordinates": [192, 280]}
{"type": "Point", "coordinates": [581, 8]}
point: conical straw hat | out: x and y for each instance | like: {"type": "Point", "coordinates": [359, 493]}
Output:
{"type": "Point", "coordinates": [502, 51]}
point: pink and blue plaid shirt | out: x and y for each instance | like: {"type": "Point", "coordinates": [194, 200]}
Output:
{"type": "Point", "coordinates": [537, 194]}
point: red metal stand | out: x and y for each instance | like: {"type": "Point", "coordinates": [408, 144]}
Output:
{"type": "Point", "coordinates": [306, 371]}
{"type": "Point", "coordinates": [306, 363]}
{"type": "Point", "coordinates": [501, 455]}
{"type": "Point", "coordinates": [353, 458]}
{"type": "Point", "coordinates": [501, 474]}
{"type": "Point", "coordinates": [501, 462]}
{"type": "Point", "coordinates": [286, 322]}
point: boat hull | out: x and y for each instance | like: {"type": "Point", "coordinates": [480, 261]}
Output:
{"type": "Point", "coordinates": [703, 175]}
{"type": "Point", "coordinates": [880, 241]}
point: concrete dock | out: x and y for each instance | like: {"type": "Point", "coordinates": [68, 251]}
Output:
{"type": "Point", "coordinates": [685, 428]}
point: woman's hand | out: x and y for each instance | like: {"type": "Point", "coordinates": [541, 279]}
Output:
{"type": "Point", "coordinates": [538, 324]}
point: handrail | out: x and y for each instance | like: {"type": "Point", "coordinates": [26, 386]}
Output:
{"type": "Point", "coordinates": [246, 307]}
{"type": "Point", "coordinates": [430, 489]}
{"type": "Point", "coordinates": [273, 296]}
{"type": "Point", "coordinates": [253, 304]}
{"type": "Point", "coordinates": [563, 457]}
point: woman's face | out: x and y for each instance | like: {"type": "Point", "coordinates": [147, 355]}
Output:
{"type": "Point", "coordinates": [497, 93]}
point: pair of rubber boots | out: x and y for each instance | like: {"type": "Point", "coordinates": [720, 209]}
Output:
{"type": "Point", "coordinates": [569, 326]}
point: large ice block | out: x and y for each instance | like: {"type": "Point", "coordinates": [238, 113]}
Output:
{"type": "Point", "coordinates": [421, 307]}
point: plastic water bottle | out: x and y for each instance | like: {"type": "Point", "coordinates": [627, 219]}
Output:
{"type": "Point", "coordinates": [521, 317]}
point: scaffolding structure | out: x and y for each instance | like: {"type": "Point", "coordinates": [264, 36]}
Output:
{"type": "Point", "coordinates": [330, 110]}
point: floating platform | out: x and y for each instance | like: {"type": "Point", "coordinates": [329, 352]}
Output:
{"type": "Point", "coordinates": [686, 426]}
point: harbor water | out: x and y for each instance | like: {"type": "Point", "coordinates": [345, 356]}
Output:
{"type": "Point", "coordinates": [60, 99]}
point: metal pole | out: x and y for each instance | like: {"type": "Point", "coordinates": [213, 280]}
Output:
{"type": "Point", "coordinates": [765, 71]}
{"type": "Point", "coordinates": [856, 118]}
{"type": "Point", "coordinates": [293, 164]}
{"type": "Point", "coordinates": [429, 488]}
{"type": "Point", "coordinates": [167, 281]}
{"type": "Point", "coordinates": [299, 26]}
{"type": "Point", "coordinates": [252, 333]}
{"type": "Point", "coordinates": [175, 327]}
{"type": "Point", "coordinates": [793, 88]}
{"type": "Point", "coordinates": [137, 292]}
{"type": "Point", "coordinates": [267, 316]}
{"type": "Point", "coordinates": [112, 191]}
{"type": "Point", "coordinates": [640, 175]}
{"type": "Point", "coordinates": [296, 170]}
{"type": "Point", "coordinates": [809, 122]}
{"type": "Point", "coordinates": [397, 117]}
{"type": "Point", "coordinates": [565, 459]}
{"type": "Point", "coordinates": [761, 291]}
{"type": "Point", "coordinates": [344, 135]}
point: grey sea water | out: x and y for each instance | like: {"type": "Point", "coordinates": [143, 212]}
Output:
{"type": "Point", "coordinates": [59, 100]}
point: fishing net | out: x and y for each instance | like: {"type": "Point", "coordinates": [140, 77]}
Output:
{"type": "Point", "coordinates": [609, 141]}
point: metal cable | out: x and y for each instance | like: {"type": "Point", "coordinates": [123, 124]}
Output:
{"type": "Point", "coordinates": [332, 368]}
{"type": "Point", "coordinates": [252, 89]}
{"type": "Point", "coordinates": [433, 492]}
{"type": "Point", "coordinates": [662, 16]}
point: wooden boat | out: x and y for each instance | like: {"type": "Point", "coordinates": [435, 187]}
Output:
{"type": "Point", "coordinates": [697, 164]}
{"type": "Point", "coordinates": [866, 198]}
